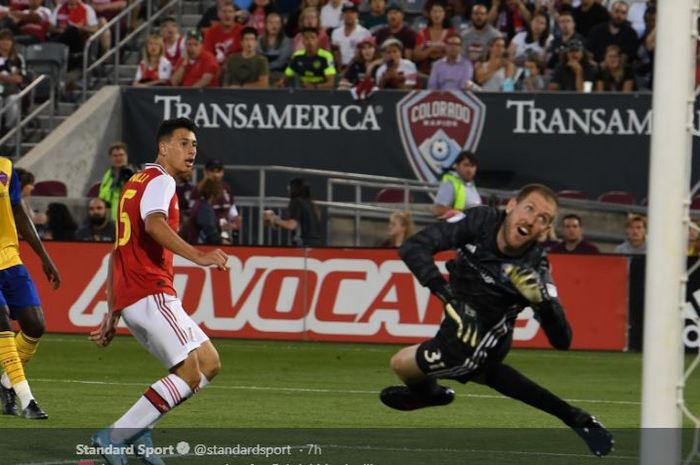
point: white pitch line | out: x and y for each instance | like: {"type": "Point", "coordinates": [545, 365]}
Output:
{"type": "Point", "coordinates": [313, 390]}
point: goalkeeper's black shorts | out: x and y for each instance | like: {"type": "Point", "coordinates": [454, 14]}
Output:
{"type": "Point", "coordinates": [445, 356]}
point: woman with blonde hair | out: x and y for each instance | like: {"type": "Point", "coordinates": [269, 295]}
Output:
{"type": "Point", "coordinates": [310, 17]}
{"type": "Point", "coordinates": [401, 227]}
{"type": "Point", "coordinates": [154, 69]}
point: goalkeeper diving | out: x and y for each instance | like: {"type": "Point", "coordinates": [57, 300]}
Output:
{"type": "Point", "coordinates": [499, 270]}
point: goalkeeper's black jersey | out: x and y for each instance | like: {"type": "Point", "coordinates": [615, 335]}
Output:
{"type": "Point", "coordinates": [476, 274]}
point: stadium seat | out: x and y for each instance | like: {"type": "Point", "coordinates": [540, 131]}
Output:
{"type": "Point", "coordinates": [695, 203]}
{"type": "Point", "coordinates": [94, 190]}
{"type": "Point", "coordinates": [50, 189]}
{"type": "Point", "coordinates": [621, 197]}
{"type": "Point", "coordinates": [392, 195]}
{"type": "Point", "coordinates": [411, 7]}
{"type": "Point", "coordinates": [572, 194]}
{"type": "Point", "coordinates": [49, 58]}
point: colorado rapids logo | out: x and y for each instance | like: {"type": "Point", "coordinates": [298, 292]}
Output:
{"type": "Point", "coordinates": [436, 126]}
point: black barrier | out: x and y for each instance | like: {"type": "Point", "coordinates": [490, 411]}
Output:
{"type": "Point", "coordinates": [590, 142]}
{"type": "Point", "coordinates": [691, 331]}
{"type": "Point", "coordinates": [337, 446]}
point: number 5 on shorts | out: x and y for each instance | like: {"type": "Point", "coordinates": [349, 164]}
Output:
{"type": "Point", "coordinates": [124, 217]}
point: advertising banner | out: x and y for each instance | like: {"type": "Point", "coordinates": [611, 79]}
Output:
{"type": "Point", "coordinates": [352, 295]}
{"type": "Point", "coordinates": [566, 140]}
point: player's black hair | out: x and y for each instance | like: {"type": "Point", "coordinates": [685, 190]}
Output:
{"type": "Point", "coordinates": [541, 189]}
{"type": "Point", "coordinates": [249, 30]}
{"type": "Point", "coordinates": [169, 126]}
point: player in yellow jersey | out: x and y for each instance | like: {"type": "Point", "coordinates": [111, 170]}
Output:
{"type": "Point", "coordinates": [19, 299]}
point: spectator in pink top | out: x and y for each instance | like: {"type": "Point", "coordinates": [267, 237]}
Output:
{"type": "Point", "coordinates": [431, 41]}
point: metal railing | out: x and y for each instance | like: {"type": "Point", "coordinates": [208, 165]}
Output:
{"type": "Point", "coordinates": [119, 42]}
{"type": "Point", "coordinates": [33, 111]}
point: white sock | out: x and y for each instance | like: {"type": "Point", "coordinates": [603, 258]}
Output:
{"type": "Point", "coordinates": [203, 381]}
{"type": "Point", "coordinates": [5, 380]}
{"type": "Point", "coordinates": [23, 393]}
{"type": "Point", "coordinates": [162, 396]}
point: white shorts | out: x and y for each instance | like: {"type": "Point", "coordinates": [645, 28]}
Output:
{"type": "Point", "coordinates": [163, 327]}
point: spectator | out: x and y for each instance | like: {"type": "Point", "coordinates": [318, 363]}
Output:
{"type": "Point", "coordinates": [400, 228]}
{"type": "Point", "coordinates": [636, 230]}
{"type": "Point", "coordinates": [294, 21]}
{"type": "Point", "coordinates": [510, 16]}
{"type": "Point", "coordinates": [362, 67]}
{"type": "Point", "coordinates": [106, 10]}
{"type": "Point", "coordinates": [304, 217]}
{"type": "Point", "coordinates": [26, 180]}
{"type": "Point", "coordinates": [574, 70]}
{"type": "Point", "coordinates": [173, 42]}
{"type": "Point", "coordinates": [637, 10]}
{"type": "Point", "coordinates": [203, 226]}
{"type": "Point", "coordinates": [454, 72]}
{"type": "Point", "coordinates": [346, 37]}
{"type": "Point", "coordinates": [211, 15]}
{"type": "Point", "coordinates": [223, 39]}
{"type": "Point", "coordinates": [495, 73]}
{"type": "Point", "coordinates": [572, 237]}
{"type": "Point", "coordinates": [457, 191]}
{"type": "Point", "coordinates": [567, 33]}
{"type": "Point", "coordinates": [645, 54]}
{"type": "Point", "coordinates": [224, 205]}
{"type": "Point", "coordinates": [13, 72]}
{"type": "Point", "coordinates": [332, 14]}
{"type": "Point", "coordinates": [72, 22]}
{"type": "Point", "coordinates": [588, 14]}
{"type": "Point", "coordinates": [183, 190]}
{"type": "Point", "coordinates": [532, 79]}
{"type": "Point", "coordinates": [312, 66]}
{"type": "Point", "coordinates": [375, 18]}
{"type": "Point", "coordinates": [259, 10]}
{"type": "Point", "coordinates": [534, 41]}
{"type": "Point", "coordinates": [397, 29]}
{"type": "Point", "coordinates": [34, 21]}
{"type": "Point", "coordinates": [693, 239]}
{"type": "Point", "coordinates": [478, 37]}
{"type": "Point", "coordinates": [614, 75]}
{"type": "Point", "coordinates": [276, 47]}
{"type": "Point", "coordinates": [395, 72]}
{"type": "Point", "coordinates": [431, 40]}
{"type": "Point", "coordinates": [309, 19]}
{"type": "Point", "coordinates": [98, 227]}
{"type": "Point", "coordinates": [198, 67]}
{"type": "Point", "coordinates": [60, 225]}
{"type": "Point", "coordinates": [617, 31]}
{"type": "Point", "coordinates": [154, 68]}
{"type": "Point", "coordinates": [115, 177]}
{"type": "Point", "coordinates": [247, 69]}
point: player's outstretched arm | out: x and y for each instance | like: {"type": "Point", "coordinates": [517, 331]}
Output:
{"type": "Point", "coordinates": [26, 229]}
{"type": "Point", "coordinates": [158, 228]}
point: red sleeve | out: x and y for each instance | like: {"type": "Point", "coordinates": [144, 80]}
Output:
{"type": "Point", "coordinates": [419, 37]}
{"type": "Point", "coordinates": [209, 39]}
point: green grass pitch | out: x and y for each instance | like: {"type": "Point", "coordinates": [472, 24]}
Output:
{"type": "Point", "coordinates": [296, 385]}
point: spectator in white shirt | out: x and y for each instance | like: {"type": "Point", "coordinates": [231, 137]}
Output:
{"type": "Point", "coordinates": [396, 72]}
{"type": "Point", "coordinates": [331, 14]}
{"type": "Point", "coordinates": [346, 37]}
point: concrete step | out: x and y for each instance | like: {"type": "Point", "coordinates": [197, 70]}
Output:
{"type": "Point", "coordinates": [189, 21]}
{"type": "Point", "coordinates": [66, 108]}
{"type": "Point", "coordinates": [44, 121]}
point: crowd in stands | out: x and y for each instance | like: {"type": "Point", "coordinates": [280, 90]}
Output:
{"type": "Point", "coordinates": [497, 45]}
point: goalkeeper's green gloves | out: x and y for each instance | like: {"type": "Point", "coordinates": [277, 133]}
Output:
{"type": "Point", "coordinates": [527, 281]}
{"type": "Point", "coordinates": [464, 317]}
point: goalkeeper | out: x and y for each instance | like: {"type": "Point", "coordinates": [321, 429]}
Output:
{"type": "Point", "coordinates": [499, 270]}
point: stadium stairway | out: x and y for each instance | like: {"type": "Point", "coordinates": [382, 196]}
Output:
{"type": "Point", "coordinates": [70, 99]}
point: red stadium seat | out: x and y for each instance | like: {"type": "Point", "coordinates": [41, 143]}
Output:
{"type": "Point", "coordinates": [50, 189]}
{"type": "Point", "coordinates": [621, 197]}
{"type": "Point", "coordinates": [572, 194]}
{"type": "Point", "coordinates": [393, 195]}
{"type": "Point", "coordinates": [94, 190]}
{"type": "Point", "coordinates": [695, 203]}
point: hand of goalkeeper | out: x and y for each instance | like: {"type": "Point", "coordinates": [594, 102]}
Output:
{"type": "Point", "coordinates": [526, 281]}
{"type": "Point", "coordinates": [467, 324]}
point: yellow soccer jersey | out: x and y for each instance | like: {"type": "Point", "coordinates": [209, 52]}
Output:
{"type": "Point", "coordinates": [10, 194]}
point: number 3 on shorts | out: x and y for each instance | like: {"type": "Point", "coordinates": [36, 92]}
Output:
{"type": "Point", "coordinates": [124, 217]}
